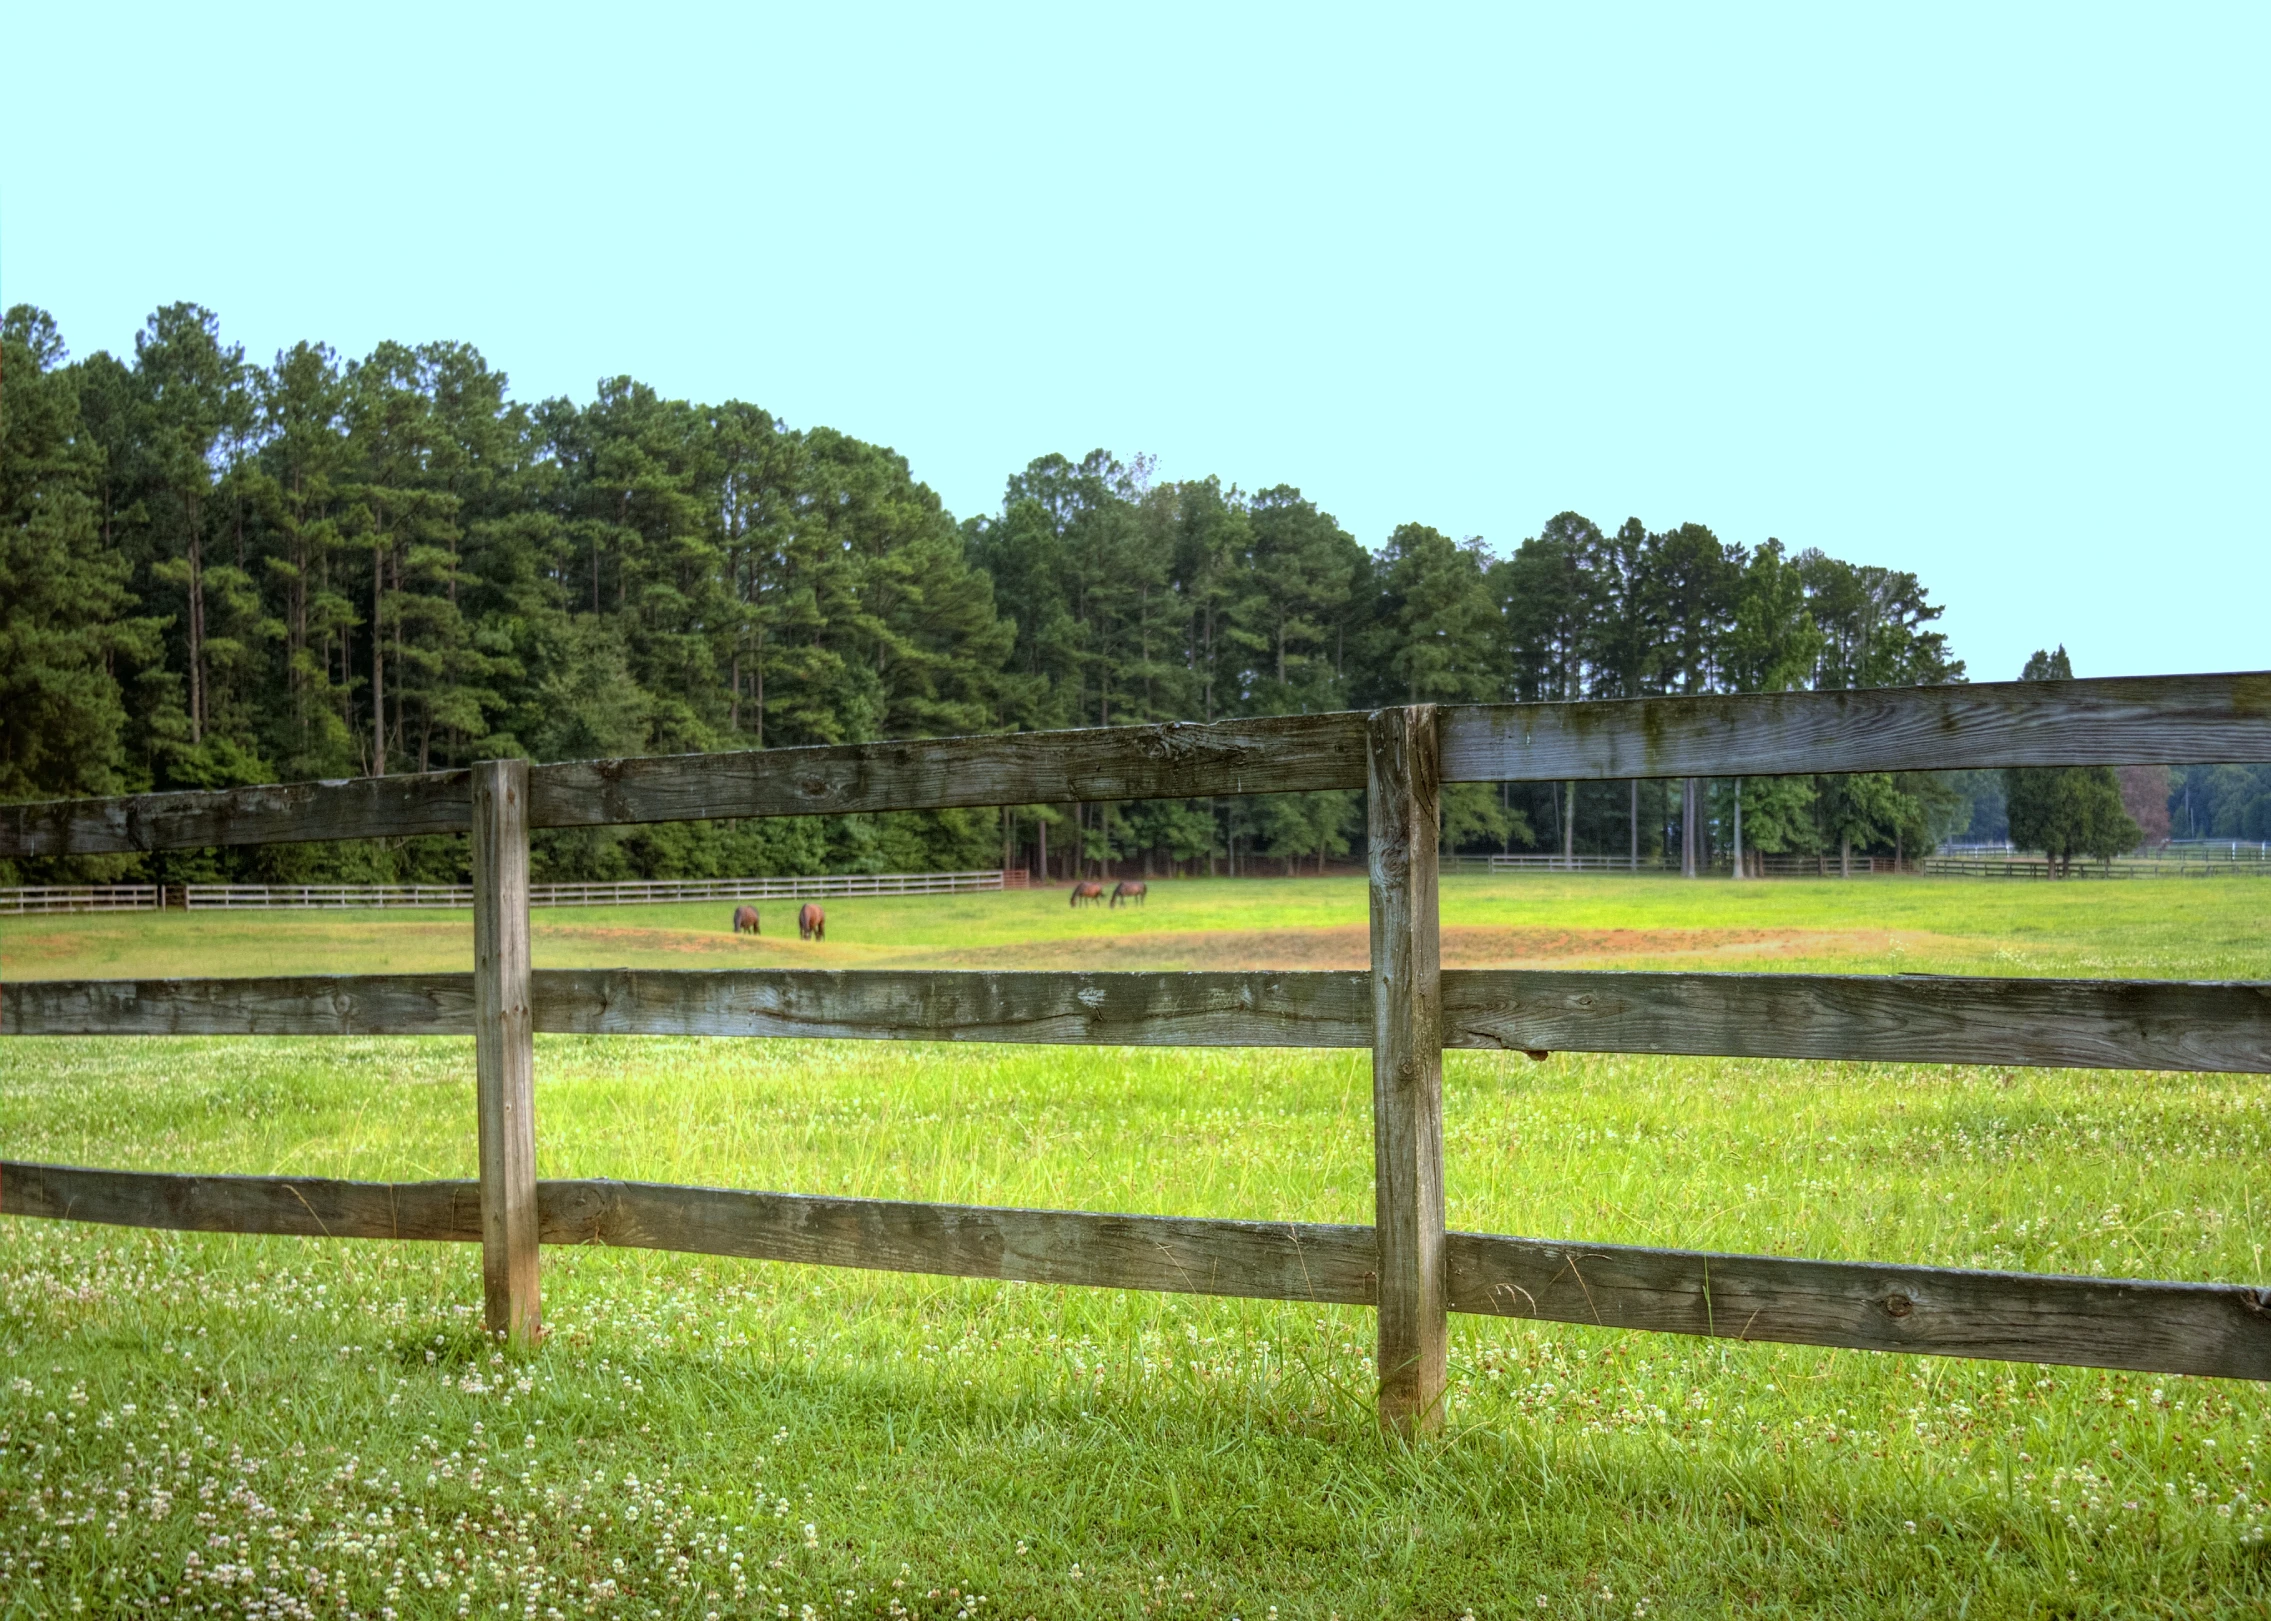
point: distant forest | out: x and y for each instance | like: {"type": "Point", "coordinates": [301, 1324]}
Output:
{"type": "Point", "coordinates": [216, 572]}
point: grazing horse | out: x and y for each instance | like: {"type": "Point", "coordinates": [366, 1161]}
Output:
{"type": "Point", "coordinates": [1087, 890]}
{"type": "Point", "coordinates": [1130, 890]}
{"type": "Point", "coordinates": [811, 922]}
{"type": "Point", "coordinates": [745, 920]}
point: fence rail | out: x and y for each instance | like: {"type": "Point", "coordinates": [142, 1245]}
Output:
{"type": "Point", "coordinates": [1551, 863]}
{"type": "Point", "coordinates": [311, 897]}
{"type": "Point", "coordinates": [2218, 1026]}
{"type": "Point", "coordinates": [820, 885]}
{"type": "Point", "coordinates": [628, 892]}
{"type": "Point", "coordinates": [2141, 720]}
{"type": "Point", "coordinates": [2198, 1328]}
{"type": "Point", "coordinates": [1406, 1008]}
{"type": "Point", "coordinates": [2119, 867]}
{"type": "Point", "coordinates": [2256, 851]}
{"type": "Point", "coordinates": [23, 898]}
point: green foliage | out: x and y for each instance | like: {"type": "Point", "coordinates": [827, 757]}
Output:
{"type": "Point", "coordinates": [1778, 814]}
{"type": "Point", "coordinates": [2067, 811]}
{"type": "Point", "coordinates": [1435, 630]}
{"type": "Point", "coordinates": [219, 571]}
{"type": "Point", "coordinates": [63, 595]}
{"type": "Point", "coordinates": [2221, 802]}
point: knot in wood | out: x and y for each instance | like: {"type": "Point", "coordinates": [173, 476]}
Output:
{"type": "Point", "coordinates": [1181, 740]}
{"type": "Point", "coordinates": [1898, 1305]}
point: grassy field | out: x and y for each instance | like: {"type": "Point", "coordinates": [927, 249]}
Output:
{"type": "Point", "coordinates": [2206, 928]}
{"type": "Point", "coordinates": [208, 1425]}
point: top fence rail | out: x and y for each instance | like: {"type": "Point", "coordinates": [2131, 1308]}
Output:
{"type": "Point", "coordinates": [2144, 720]}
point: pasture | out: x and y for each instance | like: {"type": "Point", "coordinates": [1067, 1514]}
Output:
{"type": "Point", "coordinates": [272, 1427]}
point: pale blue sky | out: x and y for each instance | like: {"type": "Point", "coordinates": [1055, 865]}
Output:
{"type": "Point", "coordinates": [1979, 296]}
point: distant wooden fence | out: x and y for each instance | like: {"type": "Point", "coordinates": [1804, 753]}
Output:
{"type": "Point", "coordinates": [1405, 1008]}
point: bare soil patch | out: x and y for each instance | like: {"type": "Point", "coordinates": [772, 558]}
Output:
{"type": "Point", "coordinates": [1463, 947]}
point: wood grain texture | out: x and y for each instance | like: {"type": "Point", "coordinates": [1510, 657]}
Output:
{"type": "Point", "coordinates": [1185, 1255]}
{"type": "Point", "coordinates": [1245, 1009]}
{"type": "Point", "coordinates": [2140, 720]}
{"type": "Point", "coordinates": [1407, 1067]}
{"type": "Point", "coordinates": [1178, 1254]}
{"type": "Point", "coordinates": [2217, 1026]}
{"type": "Point", "coordinates": [1275, 755]}
{"type": "Point", "coordinates": [286, 813]}
{"type": "Point", "coordinates": [1278, 754]}
{"type": "Point", "coordinates": [2143, 720]}
{"type": "Point", "coordinates": [2217, 1329]}
{"type": "Point", "coordinates": [1250, 1009]}
{"type": "Point", "coordinates": [293, 1206]}
{"type": "Point", "coordinates": [294, 1005]}
{"type": "Point", "coordinates": [504, 1053]}
{"type": "Point", "coordinates": [1902, 1019]}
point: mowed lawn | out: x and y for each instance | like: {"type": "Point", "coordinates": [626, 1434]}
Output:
{"type": "Point", "coordinates": [210, 1425]}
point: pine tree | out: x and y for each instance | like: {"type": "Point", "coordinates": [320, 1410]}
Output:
{"type": "Point", "coordinates": [66, 611]}
{"type": "Point", "coordinates": [2066, 811]}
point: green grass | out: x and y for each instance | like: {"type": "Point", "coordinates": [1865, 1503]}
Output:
{"type": "Point", "coordinates": [183, 1409]}
{"type": "Point", "coordinates": [2196, 928]}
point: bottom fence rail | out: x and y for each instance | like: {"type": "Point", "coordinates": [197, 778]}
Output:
{"type": "Point", "coordinates": [2221, 1330]}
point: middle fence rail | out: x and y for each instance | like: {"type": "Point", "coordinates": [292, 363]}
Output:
{"type": "Point", "coordinates": [1406, 1008]}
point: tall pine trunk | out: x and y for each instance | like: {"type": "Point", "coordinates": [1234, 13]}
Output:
{"type": "Point", "coordinates": [196, 624]}
{"type": "Point", "coordinates": [378, 663]}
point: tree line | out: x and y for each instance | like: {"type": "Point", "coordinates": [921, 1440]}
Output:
{"type": "Point", "coordinates": [215, 571]}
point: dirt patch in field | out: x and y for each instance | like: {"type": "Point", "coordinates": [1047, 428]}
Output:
{"type": "Point", "coordinates": [27, 947]}
{"type": "Point", "coordinates": [1486, 947]}
{"type": "Point", "coordinates": [601, 943]}
{"type": "Point", "coordinates": [1463, 947]}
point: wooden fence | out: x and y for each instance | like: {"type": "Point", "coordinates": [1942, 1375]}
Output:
{"type": "Point", "coordinates": [18, 899]}
{"type": "Point", "coordinates": [320, 897]}
{"type": "Point", "coordinates": [1406, 1009]}
{"type": "Point", "coordinates": [2083, 867]}
{"type": "Point", "coordinates": [624, 892]}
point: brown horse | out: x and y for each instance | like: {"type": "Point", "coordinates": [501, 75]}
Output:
{"type": "Point", "coordinates": [1087, 890]}
{"type": "Point", "coordinates": [745, 920]}
{"type": "Point", "coordinates": [811, 922]}
{"type": "Point", "coordinates": [1130, 890]}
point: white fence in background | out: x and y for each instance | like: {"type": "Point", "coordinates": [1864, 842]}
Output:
{"type": "Point", "coordinates": [1548, 863]}
{"type": "Point", "coordinates": [2192, 866]}
{"type": "Point", "coordinates": [233, 897]}
{"type": "Point", "coordinates": [632, 892]}
{"type": "Point", "coordinates": [2245, 852]}
{"type": "Point", "coordinates": [1720, 865]}
{"type": "Point", "coordinates": [639, 893]}
{"type": "Point", "coordinates": [79, 898]}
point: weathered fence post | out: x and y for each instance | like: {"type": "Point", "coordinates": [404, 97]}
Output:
{"type": "Point", "coordinates": [1403, 781]}
{"type": "Point", "coordinates": [504, 1050]}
